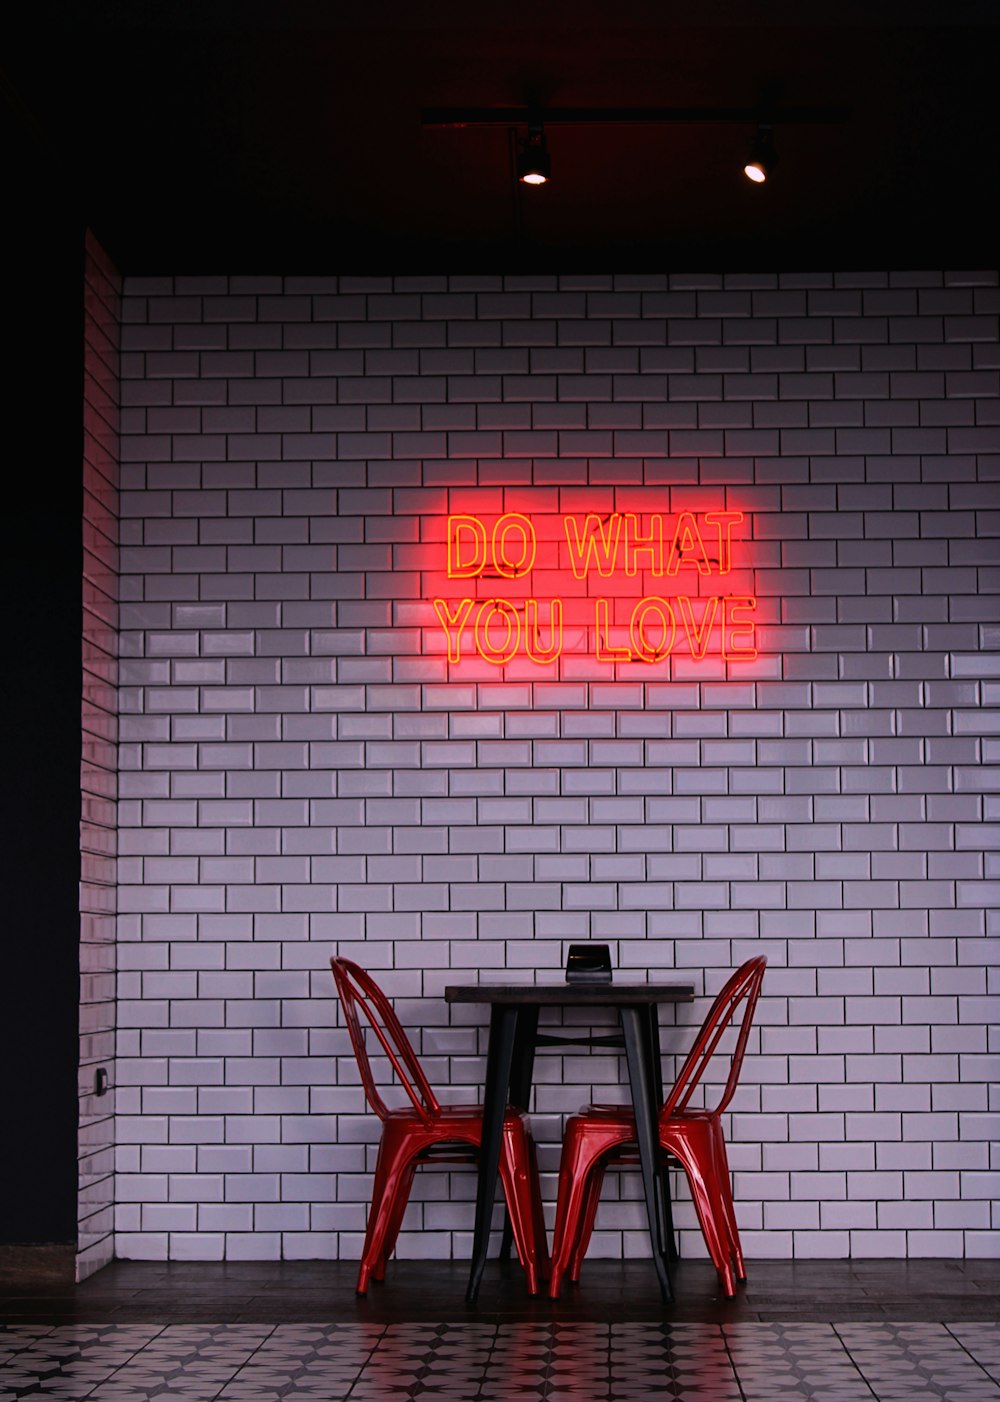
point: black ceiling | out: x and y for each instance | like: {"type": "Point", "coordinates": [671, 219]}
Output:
{"type": "Point", "coordinates": [287, 136]}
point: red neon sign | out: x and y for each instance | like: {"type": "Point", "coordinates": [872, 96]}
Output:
{"type": "Point", "coordinates": [624, 587]}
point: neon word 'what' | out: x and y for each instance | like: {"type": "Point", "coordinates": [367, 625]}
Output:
{"type": "Point", "coordinates": [603, 542]}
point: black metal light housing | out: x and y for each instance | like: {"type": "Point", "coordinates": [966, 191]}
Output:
{"type": "Point", "coordinates": [533, 164]}
{"type": "Point", "coordinates": [763, 157]}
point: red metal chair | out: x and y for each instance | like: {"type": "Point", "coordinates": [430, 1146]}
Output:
{"type": "Point", "coordinates": [427, 1131]}
{"type": "Point", "coordinates": [604, 1134]}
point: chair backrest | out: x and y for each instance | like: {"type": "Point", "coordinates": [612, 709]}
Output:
{"type": "Point", "coordinates": [740, 994]}
{"type": "Point", "coordinates": [365, 1003]}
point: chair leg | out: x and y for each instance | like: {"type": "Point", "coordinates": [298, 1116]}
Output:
{"type": "Point", "coordinates": [579, 1156]}
{"type": "Point", "coordinates": [395, 1221]}
{"type": "Point", "coordinates": [393, 1176]}
{"type": "Point", "coordinates": [520, 1183]}
{"type": "Point", "coordinates": [591, 1201]}
{"type": "Point", "coordinates": [537, 1214]}
{"type": "Point", "coordinates": [723, 1180]}
{"type": "Point", "coordinates": [698, 1165]}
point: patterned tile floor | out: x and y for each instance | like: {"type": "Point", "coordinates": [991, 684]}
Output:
{"type": "Point", "coordinates": [498, 1361]}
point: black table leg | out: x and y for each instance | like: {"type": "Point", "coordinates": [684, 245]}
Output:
{"type": "Point", "coordinates": [669, 1238]}
{"type": "Point", "coordinates": [499, 1059]}
{"type": "Point", "coordinates": [642, 1075]}
{"type": "Point", "coordinates": [523, 1063]}
{"type": "Point", "coordinates": [520, 1091]}
{"type": "Point", "coordinates": [653, 1033]}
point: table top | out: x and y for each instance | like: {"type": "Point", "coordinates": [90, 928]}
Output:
{"type": "Point", "coordinates": [569, 994]}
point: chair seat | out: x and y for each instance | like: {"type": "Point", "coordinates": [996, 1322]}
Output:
{"type": "Point", "coordinates": [610, 1130]}
{"type": "Point", "coordinates": [453, 1134]}
{"type": "Point", "coordinates": [461, 1115]}
{"type": "Point", "coordinates": [623, 1114]}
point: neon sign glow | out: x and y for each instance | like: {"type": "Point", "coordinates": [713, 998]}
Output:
{"type": "Point", "coordinates": [624, 587]}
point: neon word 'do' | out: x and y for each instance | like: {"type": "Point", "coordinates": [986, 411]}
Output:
{"type": "Point", "coordinates": [511, 547]}
{"type": "Point", "coordinates": [587, 551]}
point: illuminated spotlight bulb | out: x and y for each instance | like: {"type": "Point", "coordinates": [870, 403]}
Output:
{"type": "Point", "coordinates": [763, 156]}
{"type": "Point", "coordinates": [533, 164]}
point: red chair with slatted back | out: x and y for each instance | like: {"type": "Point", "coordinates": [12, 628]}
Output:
{"type": "Point", "coordinates": [426, 1131]}
{"type": "Point", "coordinates": [605, 1134]}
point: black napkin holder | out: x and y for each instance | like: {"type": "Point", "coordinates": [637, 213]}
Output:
{"type": "Point", "coordinates": [588, 963]}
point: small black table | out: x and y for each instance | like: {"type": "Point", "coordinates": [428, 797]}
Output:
{"type": "Point", "coordinates": [514, 1010]}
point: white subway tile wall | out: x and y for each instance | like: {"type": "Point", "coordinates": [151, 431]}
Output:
{"type": "Point", "coordinates": [99, 766]}
{"type": "Point", "coordinates": [303, 772]}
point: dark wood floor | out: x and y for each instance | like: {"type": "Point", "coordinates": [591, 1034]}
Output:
{"type": "Point", "coordinates": [610, 1291]}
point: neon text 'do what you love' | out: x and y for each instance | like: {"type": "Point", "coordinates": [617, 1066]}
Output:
{"type": "Point", "coordinates": [600, 557]}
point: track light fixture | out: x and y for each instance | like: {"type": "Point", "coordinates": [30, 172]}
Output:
{"type": "Point", "coordinates": [531, 157]}
{"type": "Point", "coordinates": [533, 164]}
{"type": "Point", "coordinates": [763, 157]}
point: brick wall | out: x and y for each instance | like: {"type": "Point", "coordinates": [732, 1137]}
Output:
{"type": "Point", "coordinates": [98, 836]}
{"type": "Point", "coordinates": [303, 770]}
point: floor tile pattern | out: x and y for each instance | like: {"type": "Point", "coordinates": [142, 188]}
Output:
{"type": "Point", "coordinates": [502, 1362]}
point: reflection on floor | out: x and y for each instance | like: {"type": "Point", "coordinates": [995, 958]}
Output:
{"type": "Point", "coordinates": [262, 1332]}
{"type": "Point", "coordinates": [743, 1362]}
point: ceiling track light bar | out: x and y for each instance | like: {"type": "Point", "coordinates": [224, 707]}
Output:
{"type": "Point", "coordinates": [629, 116]}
